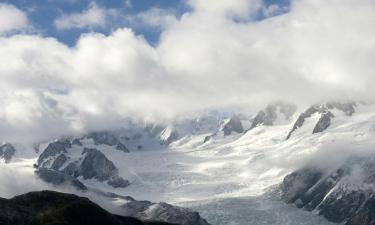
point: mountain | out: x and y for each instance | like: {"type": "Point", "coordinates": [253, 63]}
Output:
{"type": "Point", "coordinates": [48, 207]}
{"type": "Point", "coordinates": [322, 114]}
{"type": "Point", "coordinates": [205, 161]}
{"type": "Point", "coordinates": [273, 114]}
{"type": "Point", "coordinates": [342, 194]}
{"type": "Point", "coordinates": [70, 159]}
{"type": "Point", "coordinates": [147, 210]}
{"type": "Point", "coordinates": [7, 151]}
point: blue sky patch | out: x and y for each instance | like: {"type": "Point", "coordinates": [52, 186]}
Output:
{"type": "Point", "coordinates": [43, 13]}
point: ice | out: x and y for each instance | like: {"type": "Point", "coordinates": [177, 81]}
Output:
{"type": "Point", "coordinates": [228, 178]}
{"type": "Point", "coordinates": [253, 211]}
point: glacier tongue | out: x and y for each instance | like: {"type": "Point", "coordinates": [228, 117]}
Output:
{"type": "Point", "coordinates": [254, 211]}
{"type": "Point", "coordinates": [227, 178]}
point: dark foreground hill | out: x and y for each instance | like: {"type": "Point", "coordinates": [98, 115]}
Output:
{"type": "Point", "coordinates": [54, 208]}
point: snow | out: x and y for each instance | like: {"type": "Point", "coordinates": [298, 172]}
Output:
{"type": "Point", "coordinates": [254, 211]}
{"type": "Point", "coordinates": [227, 179]}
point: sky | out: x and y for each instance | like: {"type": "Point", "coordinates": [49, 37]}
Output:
{"type": "Point", "coordinates": [75, 65]}
{"type": "Point", "coordinates": [45, 15]}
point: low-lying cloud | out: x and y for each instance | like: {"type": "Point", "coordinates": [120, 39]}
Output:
{"type": "Point", "coordinates": [212, 56]}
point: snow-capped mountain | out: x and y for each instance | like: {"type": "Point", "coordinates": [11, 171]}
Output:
{"type": "Point", "coordinates": [274, 114]}
{"type": "Point", "coordinates": [194, 162]}
{"type": "Point", "coordinates": [322, 114]}
{"type": "Point", "coordinates": [342, 194]}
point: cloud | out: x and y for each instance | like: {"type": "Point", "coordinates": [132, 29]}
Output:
{"type": "Point", "coordinates": [92, 17]}
{"type": "Point", "coordinates": [211, 57]}
{"type": "Point", "coordinates": [238, 8]}
{"type": "Point", "coordinates": [154, 17]}
{"type": "Point", "coordinates": [12, 19]}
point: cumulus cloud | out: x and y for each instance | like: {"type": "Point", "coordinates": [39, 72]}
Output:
{"type": "Point", "coordinates": [213, 56]}
{"type": "Point", "coordinates": [92, 17]}
{"type": "Point", "coordinates": [12, 19]}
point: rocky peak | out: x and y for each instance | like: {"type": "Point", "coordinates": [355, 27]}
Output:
{"type": "Point", "coordinates": [91, 164]}
{"type": "Point", "coordinates": [7, 151]}
{"type": "Point", "coordinates": [270, 114]}
{"type": "Point", "coordinates": [54, 148]}
{"type": "Point", "coordinates": [232, 124]}
{"type": "Point", "coordinates": [325, 110]}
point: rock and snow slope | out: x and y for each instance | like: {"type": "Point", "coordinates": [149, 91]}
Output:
{"type": "Point", "coordinates": [225, 178]}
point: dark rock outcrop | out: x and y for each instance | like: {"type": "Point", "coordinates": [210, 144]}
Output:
{"type": "Point", "coordinates": [232, 125]}
{"type": "Point", "coordinates": [48, 207]}
{"type": "Point", "coordinates": [53, 149]}
{"type": "Point", "coordinates": [207, 138]}
{"type": "Point", "coordinates": [59, 162]}
{"type": "Point", "coordinates": [323, 123]}
{"type": "Point", "coordinates": [7, 151]}
{"type": "Point", "coordinates": [96, 165]}
{"type": "Point", "coordinates": [366, 215]}
{"type": "Point", "coordinates": [296, 184]}
{"type": "Point", "coordinates": [342, 195]}
{"type": "Point", "coordinates": [146, 210]}
{"type": "Point", "coordinates": [92, 164]}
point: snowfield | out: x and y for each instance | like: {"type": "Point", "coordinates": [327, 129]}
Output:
{"type": "Point", "coordinates": [228, 179]}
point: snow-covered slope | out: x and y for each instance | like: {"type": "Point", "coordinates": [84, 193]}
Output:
{"type": "Point", "coordinates": [226, 178]}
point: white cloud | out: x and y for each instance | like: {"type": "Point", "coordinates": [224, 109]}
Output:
{"type": "Point", "coordinates": [237, 8]}
{"type": "Point", "coordinates": [320, 49]}
{"type": "Point", "coordinates": [92, 17]}
{"type": "Point", "coordinates": [12, 19]}
{"type": "Point", "coordinates": [154, 17]}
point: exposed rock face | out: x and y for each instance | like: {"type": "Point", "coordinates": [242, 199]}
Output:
{"type": "Point", "coordinates": [207, 138]}
{"type": "Point", "coordinates": [48, 207]}
{"type": "Point", "coordinates": [107, 138]}
{"type": "Point", "coordinates": [307, 114]}
{"type": "Point", "coordinates": [59, 162]}
{"type": "Point", "coordinates": [96, 165]}
{"type": "Point", "coordinates": [146, 210]}
{"type": "Point", "coordinates": [366, 215]}
{"type": "Point", "coordinates": [59, 178]}
{"type": "Point", "coordinates": [326, 115]}
{"type": "Point", "coordinates": [268, 116]}
{"type": "Point", "coordinates": [53, 149]}
{"type": "Point", "coordinates": [296, 184]}
{"type": "Point", "coordinates": [91, 164]}
{"type": "Point", "coordinates": [323, 123]}
{"type": "Point", "coordinates": [343, 195]}
{"type": "Point", "coordinates": [7, 151]}
{"type": "Point", "coordinates": [232, 125]}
